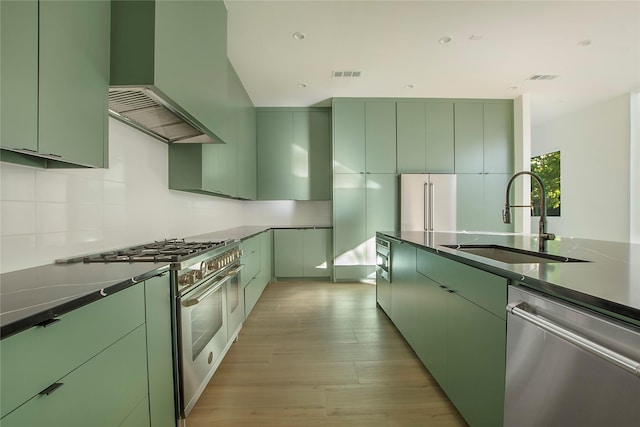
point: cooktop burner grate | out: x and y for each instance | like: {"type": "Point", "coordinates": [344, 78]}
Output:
{"type": "Point", "coordinates": [170, 250]}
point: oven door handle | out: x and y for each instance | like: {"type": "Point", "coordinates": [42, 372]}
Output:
{"type": "Point", "coordinates": [202, 295]}
{"type": "Point", "coordinates": [235, 271]}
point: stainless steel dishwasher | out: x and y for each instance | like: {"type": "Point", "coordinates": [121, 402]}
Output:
{"type": "Point", "coordinates": [569, 367]}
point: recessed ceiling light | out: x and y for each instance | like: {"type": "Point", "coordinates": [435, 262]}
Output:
{"type": "Point", "coordinates": [299, 36]}
{"type": "Point", "coordinates": [584, 43]}
{"type": "Point", "coordinates": [475, 37]}
{"type": "Point", "coordinates": [301, 85]}
{"type": "Point", "coordinates": [409, 86]}
{"type": "Point", "coordinates": [512, 88]}
{"type": "Point", "coordinates": [444, 40]}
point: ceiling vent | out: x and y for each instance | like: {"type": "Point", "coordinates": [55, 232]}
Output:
{"type": "Point", "coordinates": [543, 77]}
{"type": "Point", "coordinates": [346, 73]}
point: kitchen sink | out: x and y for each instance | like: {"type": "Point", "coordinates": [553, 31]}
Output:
{"type": "Point", "coordinates": [511, 255]}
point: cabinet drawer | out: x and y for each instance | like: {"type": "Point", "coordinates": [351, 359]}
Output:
{"type": "Point", "coordinates": [484, 289]}
{"type": "Point", "coordinates": [101, 392]}
{"type": "Point", "coordinates": [250, 246]}
{"type": "Point", "coordinates": [34, 359]}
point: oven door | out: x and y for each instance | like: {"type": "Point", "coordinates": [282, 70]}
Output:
{"type": "Point", "coordinates": [203, 336]}
{"type": "Point", "coordinates": [235, 301]}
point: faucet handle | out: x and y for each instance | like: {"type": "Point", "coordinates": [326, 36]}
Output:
{"type": "Point", "coordinates": [548, 236]}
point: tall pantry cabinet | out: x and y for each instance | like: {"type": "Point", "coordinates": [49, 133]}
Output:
{"type": "Point", "coordinates": [364, 182]}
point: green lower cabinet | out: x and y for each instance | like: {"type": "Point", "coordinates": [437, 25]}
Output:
{"type": "Point", "coordinates": [302, 253]}
{"type": "Point", "coordinates": [101, 392]}
{"type": "Point", "coordinates": [403, 283]}
{"type": "Point", "coordinates": [476, 346]}
{"type": "Point", "coordinates": [431, 345]}
{"type": "Point", "coordinates": [161, 407]}
{"type": "Point", "coordinates": [140, 416]}
{"type": "Point", "coordinates": [260, 259]}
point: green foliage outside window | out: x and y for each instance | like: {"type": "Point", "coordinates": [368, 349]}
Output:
{"type": "Point", "coordinates": [547, 166]}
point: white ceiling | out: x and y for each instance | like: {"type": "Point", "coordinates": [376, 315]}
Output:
{"type": "Point", "coordinates": [495, 47]}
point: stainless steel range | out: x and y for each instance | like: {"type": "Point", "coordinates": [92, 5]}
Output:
{"type": "Point", "coordinates": [208, 305]}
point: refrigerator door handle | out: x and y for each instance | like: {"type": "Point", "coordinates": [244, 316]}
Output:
{"type": "Point", "coordinates": [431, 197]}
{"type": "Point", "coordinates": [427, 207]}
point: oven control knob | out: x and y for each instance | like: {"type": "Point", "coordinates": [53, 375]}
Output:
{"type": "Point", "coordinates": [186, 279]}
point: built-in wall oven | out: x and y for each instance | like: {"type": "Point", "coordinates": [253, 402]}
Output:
{"type": "Point", "coordinates": [383, 273]}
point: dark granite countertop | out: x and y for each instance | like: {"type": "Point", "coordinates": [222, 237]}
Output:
{"type": "Point", "coordinates": [609, 282]}
{"type": "Point", "coordinates": [33, 295]}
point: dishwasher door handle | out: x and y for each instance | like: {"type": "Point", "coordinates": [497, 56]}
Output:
{"type": "Point", "coordinates": [630, 365]}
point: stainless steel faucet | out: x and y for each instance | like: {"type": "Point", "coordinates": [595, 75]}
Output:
{"type": "Point", "coordinates": [543, 236]}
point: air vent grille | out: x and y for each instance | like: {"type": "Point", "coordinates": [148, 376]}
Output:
{"type": "Point", "coordinates": [346, 73]}
{"type": "Point", "coordinates": [543, 77]}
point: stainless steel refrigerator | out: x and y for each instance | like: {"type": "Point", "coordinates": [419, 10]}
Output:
{"type": "Point", "coordinates": [428, 202]}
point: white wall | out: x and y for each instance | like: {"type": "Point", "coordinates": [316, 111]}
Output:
{"type": "Point", "coordinates": [594, 146]}
{"type": "Point", "coordinates": [55, 213]}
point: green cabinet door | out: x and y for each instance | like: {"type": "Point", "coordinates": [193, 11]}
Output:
{"type": "Point", "coordinates": [411, 137]}
{"type": "Point", "coordinates": [294, 161]}
{"type": "Point", "coordinates": [74, 81]}
{"type": "Point", "coordinates": [160, 351]}
{"type": "Point", "coordinates": [274, 141]}
{"type": "Point", "coordinates": [101, 392]}
{"type": "Point", "coordinates": [495, 186]}
{"type": "Point", "coordinates": [245, 140]}
{"type": "Point", "coordinates": [476, 362]}
{"type": "Point", "coordinates": [287, 257]}
{"type": "Point", "coordinates": [380, 136]}
{"type": "Point", "coordinates": [440, 137]}
{"type": "Point", "coordinates": [381, 212]}
{"type": "Point", "coordinates": [431, 320]}
{"type": "Point", "coordinates": [404, 306]}
{"type": "Point", "coordinates": [498, 137]}
{"type": "Point", "coordinates": [311, 155]}
{"type": "Point", "coordinates": [266, 257]}
{"type": "Point", "coordinates": [316, 248]}
{"type": "Point", "coordinates": [469, 144]}
{"type": "Point", "coordinates": [349, 226]}
{"type": "Point", "coordinates": [425, 137]}
{"type": "Point", "coordinates": [348, 136]}
{"type": "Point", "coordinates": [19, 74]}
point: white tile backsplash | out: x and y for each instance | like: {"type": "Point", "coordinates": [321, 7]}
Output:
{"type": "Point", "coordinates": [56, 213]}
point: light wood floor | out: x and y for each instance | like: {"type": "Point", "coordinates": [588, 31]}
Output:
{"type": "Point", "coordinates": [321, 354]}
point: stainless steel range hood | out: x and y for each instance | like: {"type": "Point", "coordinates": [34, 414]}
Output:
{"type": "Point", "coordinates": [149, 110]}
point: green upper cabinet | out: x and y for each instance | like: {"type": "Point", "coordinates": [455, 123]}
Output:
{"type": "Point", "coordinates": [425, 137]}
{"type": "Point", "coordinates": [222, 169]}
{"type": "Point", "coordinates": [484, 137]}
{"type": "Point", "coordinates": [245, 138]}
{"type": "Point", "coordinates": [469, 138]}
{"type": "Point", "coordinates": [179, 48]}
{"type": "Point", "coordinates": [498, 138]}
{"type": "Point", "coordinates": [348, 136]}
{"type": "Point", "coordinates": [55, 58]}
{"type": "Point", "coordinates": [19, 77]}
{"type": "Point", "coordinates": [364, 136]}
{"type": "Point", "coordinates": [294, 153]}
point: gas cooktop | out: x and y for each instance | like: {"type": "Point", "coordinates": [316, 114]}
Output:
{"type": "Point", "coordinates": [169, 250]}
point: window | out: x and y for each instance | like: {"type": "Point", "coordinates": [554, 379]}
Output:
{"type": "Point", "coordinates": [547, 166]}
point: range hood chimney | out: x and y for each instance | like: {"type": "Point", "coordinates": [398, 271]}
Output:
{"type": "Point", "coordinates": [145, 84]}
